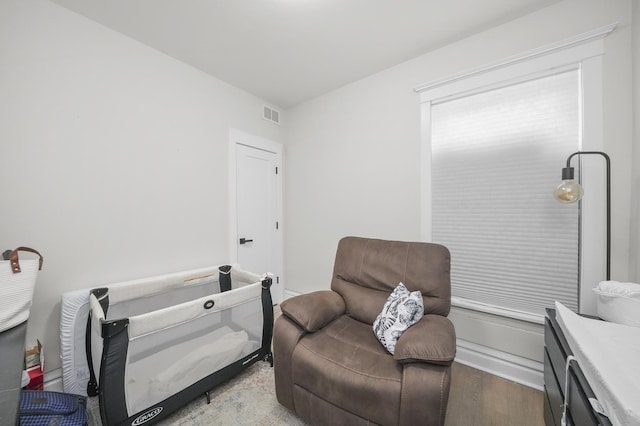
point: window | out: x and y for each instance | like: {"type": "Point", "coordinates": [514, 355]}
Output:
{"type": "Point", "coordinates": [495, 157]}
{"type": "Point", "coordinates": [494, 143]}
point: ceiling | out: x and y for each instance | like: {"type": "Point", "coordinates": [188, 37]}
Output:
{"type": "Point", "coordinates": [289, 51]}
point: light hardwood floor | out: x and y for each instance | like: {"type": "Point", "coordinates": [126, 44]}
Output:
{"type": "Point", "coordinates": [478, 398]}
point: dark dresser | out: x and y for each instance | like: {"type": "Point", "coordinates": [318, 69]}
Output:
{"type": "Point", "coordinates": [579, 411]}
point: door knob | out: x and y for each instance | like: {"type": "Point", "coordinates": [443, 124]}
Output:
{"type": "Point", "coordinates": [244, 241]}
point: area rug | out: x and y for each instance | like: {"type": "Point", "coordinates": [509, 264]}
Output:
{"type": "Point", "coordinates": [247, 399]}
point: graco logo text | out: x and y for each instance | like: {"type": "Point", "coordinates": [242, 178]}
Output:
{"type": "Point", "coordinates": [143, 418]}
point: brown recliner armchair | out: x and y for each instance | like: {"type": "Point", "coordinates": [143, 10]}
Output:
{"type": "Point", "coordinates": [329, 366]}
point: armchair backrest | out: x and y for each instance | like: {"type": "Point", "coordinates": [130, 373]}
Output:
{"type": "Point", "coordinates": [367, 270]}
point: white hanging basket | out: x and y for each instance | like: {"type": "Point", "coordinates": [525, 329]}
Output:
{"type": "Point", "coordinates": [17, 281]}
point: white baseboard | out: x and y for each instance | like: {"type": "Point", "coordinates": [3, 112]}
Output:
{"type": "Point", "coordinates": [502, 364]}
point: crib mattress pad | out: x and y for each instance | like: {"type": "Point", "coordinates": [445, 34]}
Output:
{"type": "Point", "coordinates": [157, 377]}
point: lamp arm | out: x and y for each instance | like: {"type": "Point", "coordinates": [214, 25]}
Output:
{"type": "Point", "coordinates": [608, 171]}
{"type": "Point", "coordinates": [604, 154]}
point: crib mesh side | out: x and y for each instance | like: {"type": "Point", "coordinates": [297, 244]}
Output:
{"type": "Point", "coordinates": [166, 361]}
{"type": "Point", "coordinates": [127, 301]}
{"type": "Point", "coordinates": [137, 306]}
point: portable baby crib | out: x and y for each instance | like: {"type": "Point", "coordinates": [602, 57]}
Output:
{"type": "Point", "coordinates": [154, 345]}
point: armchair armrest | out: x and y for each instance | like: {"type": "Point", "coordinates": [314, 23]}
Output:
{"type": "Point", "coordinates": [432, 340]}
{"type": "Point", "coordinates": [313, 311]}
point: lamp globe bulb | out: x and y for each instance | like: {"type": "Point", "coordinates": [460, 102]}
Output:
{"type": "Point", "coordinates": [569, 191]}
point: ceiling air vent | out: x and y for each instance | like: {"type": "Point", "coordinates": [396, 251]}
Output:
{"type": "Point", "coordinates": [271, 114]}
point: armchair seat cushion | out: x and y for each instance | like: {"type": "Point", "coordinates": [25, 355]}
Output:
{"type": "Point", "coordinates": [353, 362]}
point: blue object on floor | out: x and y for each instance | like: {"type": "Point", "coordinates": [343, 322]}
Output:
{"type": "Point", "coordinates": [52, 408]}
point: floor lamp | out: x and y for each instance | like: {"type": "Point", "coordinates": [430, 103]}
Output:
{"type": "Point", "coordinates": [569, 191]}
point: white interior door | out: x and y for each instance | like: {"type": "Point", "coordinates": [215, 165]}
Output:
{"type": "Point", "coordinates": [258, 230]}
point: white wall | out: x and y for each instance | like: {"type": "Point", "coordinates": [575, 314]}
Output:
{"type": "Point", "coordinates": [353, 154]}
{"type": "Point", "coordinates": [634, 252]}
{"type": "Point", "coordinates": [113, 156]}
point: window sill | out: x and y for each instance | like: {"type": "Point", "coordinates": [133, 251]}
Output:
{"type": "Point", "coordinates": [497, 310]}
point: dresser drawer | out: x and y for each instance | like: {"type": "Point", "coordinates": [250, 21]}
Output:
{"type": "Point", "coordinates": [579, 405]}
{"type": "Point", "coordinates": [548, 415]}
{"type": "Point", "coordinates": [556, 353]}
{"type": "Point", "coordinates": [553, 391]}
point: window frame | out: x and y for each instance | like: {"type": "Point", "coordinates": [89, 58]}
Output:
{"type": "Point", "coordinates": [585, 53]}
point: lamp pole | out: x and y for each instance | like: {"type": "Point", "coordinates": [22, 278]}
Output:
{"type": "Point", "coordinates": [567, 174]}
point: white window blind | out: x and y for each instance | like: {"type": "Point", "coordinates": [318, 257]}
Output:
{"type": "Point", "coordinates": [496, 157]}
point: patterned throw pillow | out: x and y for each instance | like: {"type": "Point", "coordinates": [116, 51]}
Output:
{"type": "Point", "coordinates": [401, 311]}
